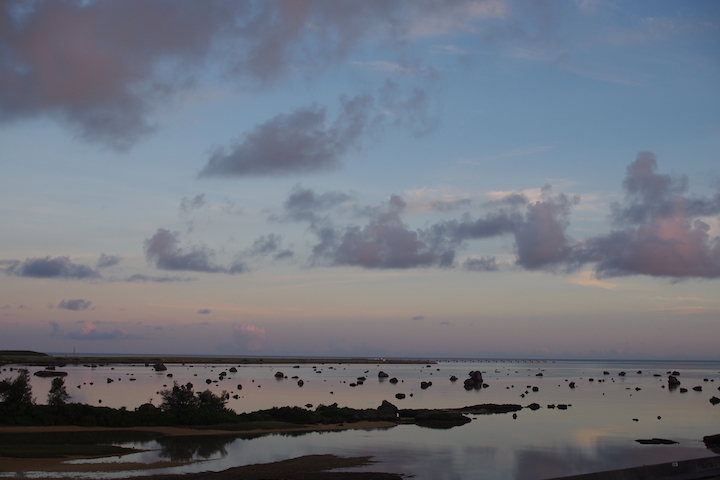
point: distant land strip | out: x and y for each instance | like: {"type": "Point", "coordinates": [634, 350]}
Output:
{"type": "Point", "coordinates": [42, 359]}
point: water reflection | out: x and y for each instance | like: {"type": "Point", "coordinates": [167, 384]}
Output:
{"type": "Point", "coordinates": [185, 449]}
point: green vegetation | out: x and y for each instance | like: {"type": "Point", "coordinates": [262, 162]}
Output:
{"type": "Point", "coordinates": [58, 395]}
{"type": "Point", "coordinates": [17, 391]}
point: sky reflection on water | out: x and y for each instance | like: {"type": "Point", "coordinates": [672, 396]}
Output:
{"type": "Point", "coordinates": [596, 433]}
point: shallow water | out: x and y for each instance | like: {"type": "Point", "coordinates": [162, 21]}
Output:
{"type": "Point", "coordinates": [595, 433]}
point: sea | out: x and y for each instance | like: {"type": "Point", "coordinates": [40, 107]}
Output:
{"type": "Point", "coordinates": [612, 404]}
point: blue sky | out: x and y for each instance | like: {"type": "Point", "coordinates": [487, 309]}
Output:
{"type": "Point", "coordinates": [380, 178]}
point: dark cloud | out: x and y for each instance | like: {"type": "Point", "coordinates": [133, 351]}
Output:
{"type": "Point", "coordinates": [284, 254]}
{"type": "Point", "coordinates": [140, 278]}
{"type": "Point", "coordinates": [163, 249]}
{"type": "Point", "coordinates": [482, 264]}
{"type": "Point", "coordinates": [103, 67]}
{"type": "Point", "coordinates": [291, 143]}
{"type": "Point", "coordinates": [269, 245]}
{"type": "Point", "coordinates": [540, 239]}
{"type": "Point", "coordinates": [664, 236]}
{"type": "Point", "coordinates": [77, 304]}
{"type": "Point", "coordinates": [539, 231]}
{"type": "Point", "coordinates": [195, 203]}
{"type": "Point", "coordinates": [303, 204]}
{"type": "Point", "coordinates": [266, 244]}
{"type": "Point", "coordinates": [108, 260]}
{"type": "Point", "coordinates": [204, 311]}
{"type": "Point", "coordinates": [50, 267]}
{"type": "Point", "coordinates": [385, 242]}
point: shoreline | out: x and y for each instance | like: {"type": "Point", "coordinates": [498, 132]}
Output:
{"type": "Point", "coordinates": [49, 465]}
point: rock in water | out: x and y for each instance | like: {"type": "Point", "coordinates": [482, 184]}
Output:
{"type": "Point", "coordinates": [475, 381]}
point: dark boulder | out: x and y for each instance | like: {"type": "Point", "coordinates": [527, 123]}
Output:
{"type": "Point", "coordinates": [714, 400]}
{"type": "Point", "coordinates": [453, 378]}
{"type": "Point", "coordinates": [440, 419]}
{"type": "Point", "coordinates": [697, 389]}
{"type": "Point", "coordinates": [387, 409]}
{"type": "Point", "coordinates": [233, 370]}
{"type": "Point", "coordinates": [393, 380]}
{"type": "Point", "coordinates": [159, 367]}
{"type": "Point", "coordinates": [300, 383]}
{"type": "Point", "coordinates": [712, 442]}
{"type": "Point", "coordinates": [382, 374]}
{"type": "Point", "coordinates": [533, 406]}
{"type": "Point", "coordinates": [475, 381]}
{"type": "Point", "coordinates": [571, 384]}
{"type": "Point", "coordinates": [279, 375]}
{"type": "Point", "coordinates": [672, 380]}
{"type": "Point", "coordinates": [656, 441]}
{"type": "Point", "coordinates": [425, 385]}
{"type": "Point", "coordinates": [399, 396]}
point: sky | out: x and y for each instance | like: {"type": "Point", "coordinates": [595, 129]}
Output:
{"type": "Point", "coordinates": [375, 178]}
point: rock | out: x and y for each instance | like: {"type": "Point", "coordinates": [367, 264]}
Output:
{"type": "Point", "coordinates": [475, 381]}
{"type": "Point", "coordinates": [672, 380]}
{"type": "Point", "coordinates": [233, 370]}
{"type": "Point", "coordinates": [300, 383]}
{"type": "Point", "coordinates": [562, 406]}
{"type": "Point", "coordinates": [50, 373]}
{"type": "Point", "coordinates": [239, 387]}
{"type": "Point", "coordinates": [425, 385]}
{"type": "Point", "coordinates": [697, 389]}
{"type": "Point", "coordinates": [399, 396]}
{"type": "Point", "coordinates": [712, 442]}
{"type": "Point", "coordinates": [656, 441]}
{"type": "Point", "coordinates": [382, 374]}
{"type": "Point", "coordinates": [110, 380]}
{"type": "Point", "coordinates": [533, 406]}
{"type": "Point", "coordinates": [393, 380]}
{"type": "Point", "coordinates": [440, 419]}
{"type": "Point", "coordinates": [453, 378]}
{"type": "Point", "coordinates": [159, 367]}
{"type": "Point", "coordinates": [676, 373]}
{"type": "Point", "coordinates": [621, 374]}
{"type": "Point", "coordinates": [639, 372]}
{"type": "Point", "coordinates": [279, 375]}
{"type": "Point", "coordinates": [539, 374]}
{"type": "Point", "coordinates": [535, 389]}
{"type": "Point", "coordinates": [571, 384]}
{"type": "Point", "coordinates": [683, 390]}
{"type": "Point", "coordinates": [714, 400]}
{"type": "Point", "coordinates": [606, 373]}
{"type": "Point", "coordinates": [308, 405]}
{"type": "Point", "coordinates": [208, 381]}
{"type": "Point", "coordinates": [387, 409]}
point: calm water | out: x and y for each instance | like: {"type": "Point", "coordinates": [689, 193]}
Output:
{"type": "Point", "coordinates": [596, 433]}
